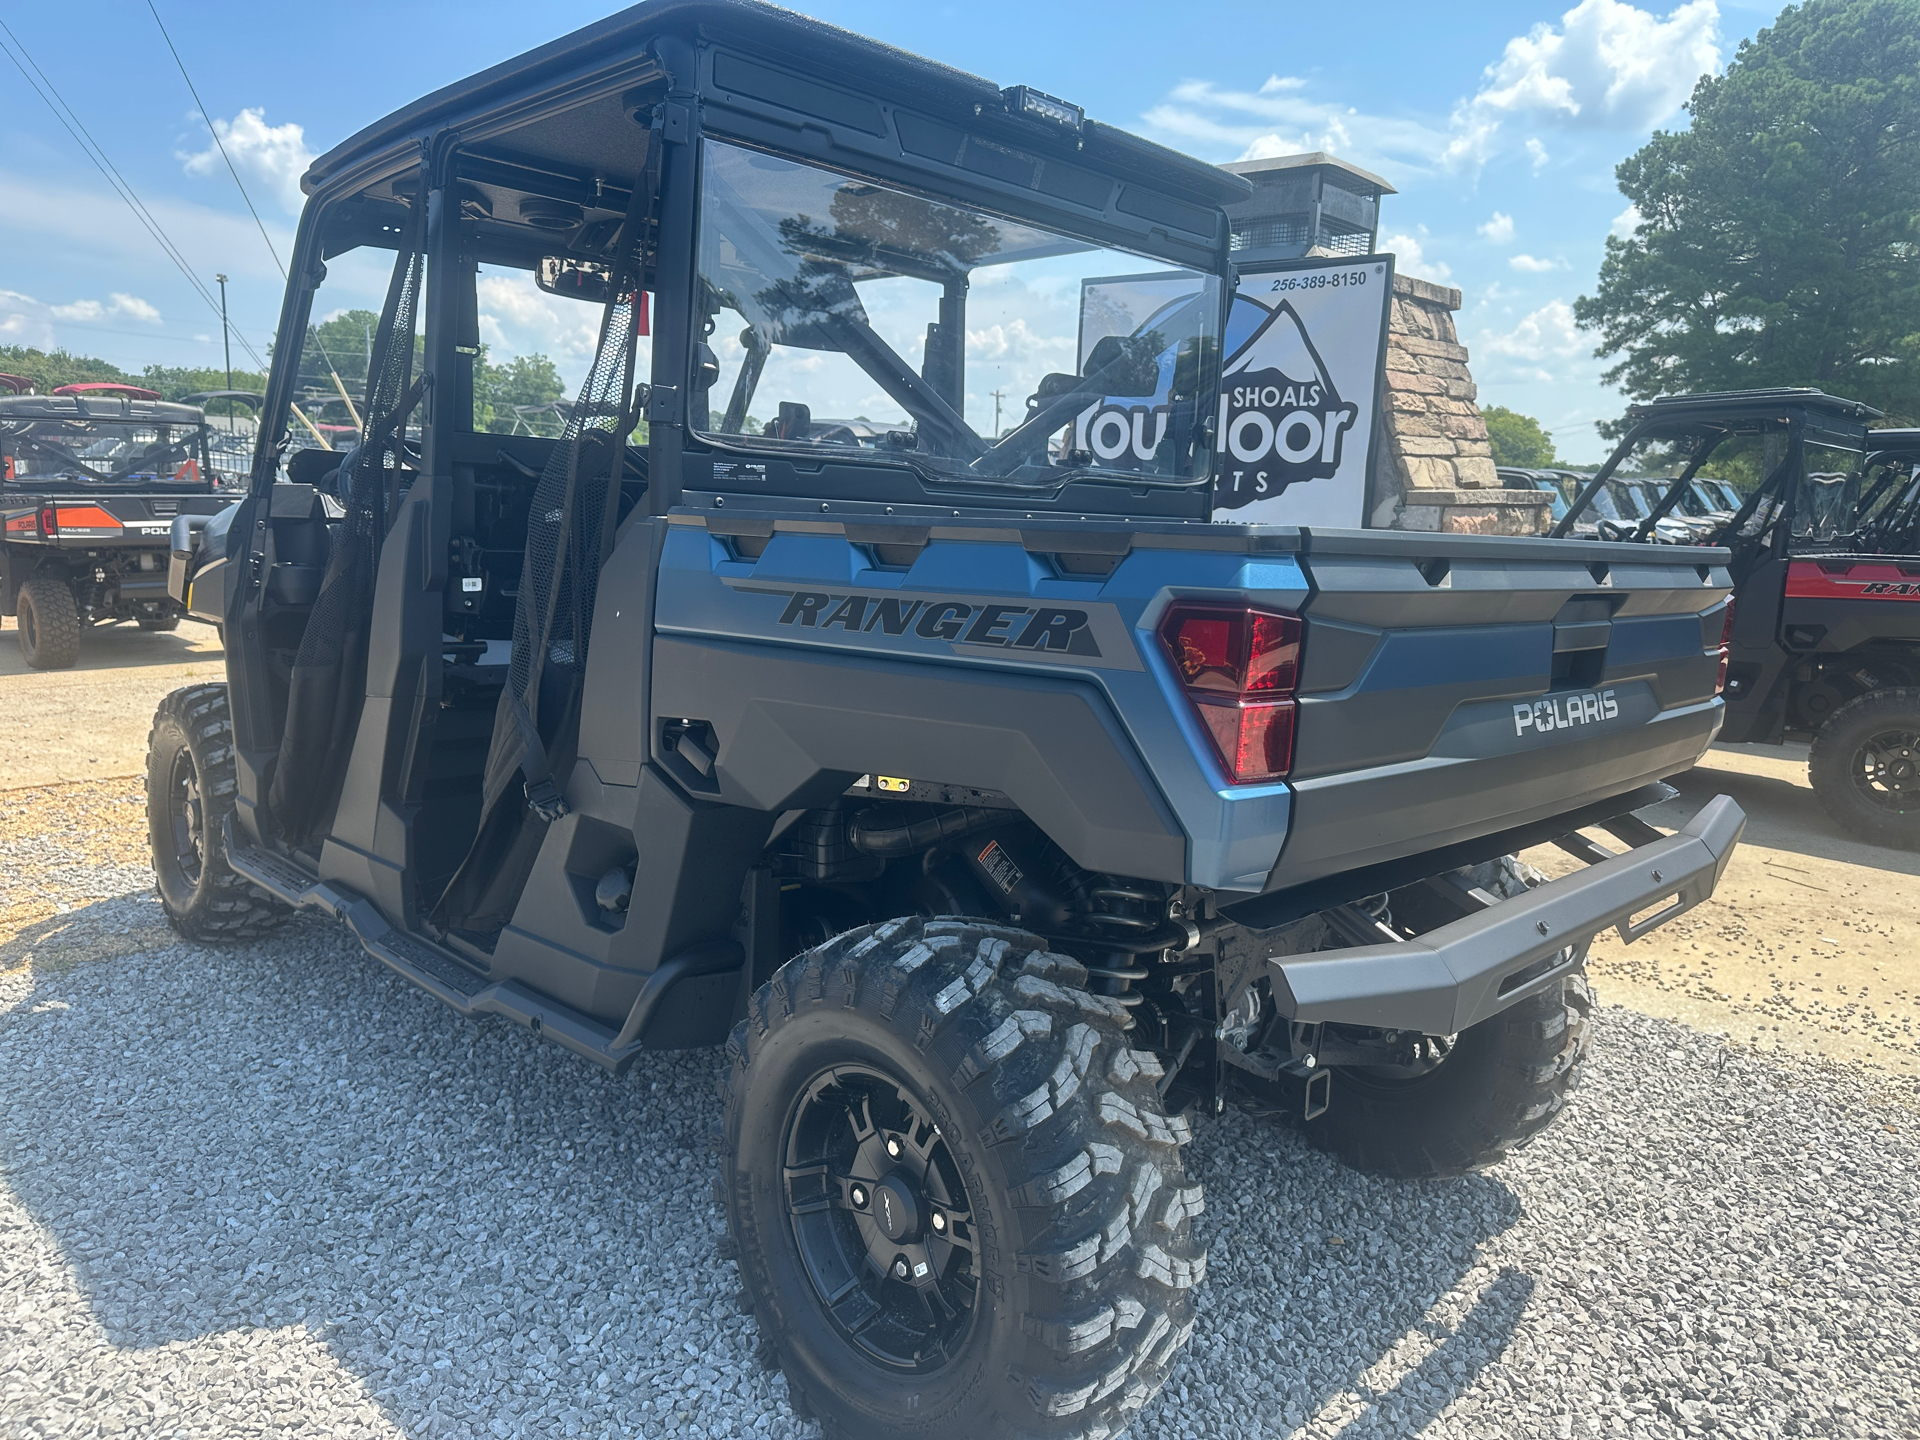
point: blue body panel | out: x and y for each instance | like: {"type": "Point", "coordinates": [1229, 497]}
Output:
{"type": "Point", "coordinates": [1234, 833]}
{"type": "Point", "coordinates": [1436, 705]}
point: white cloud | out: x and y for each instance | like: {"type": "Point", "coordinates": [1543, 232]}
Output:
{"type": "Point", "coordinates": [1281, 119]}
{"type": "Point", "coordinates": [27, 321]}
{"type": "Point", "coordinates": [273, 155]}
{"type": "Point", "coordinates": [1410, 257]}
{"type": "Point", "coordinates": [1499, 229]}
{"type": "Point", "coordinates": [518, 318]}
{"type": "Point", "coordinates": [1608, 66]}
{"type": "Point", "coordinates": [1534, 265]}
{"type": "Point", "coordinates": [93, 224]}
{"type": "Point", "coordinates": [1550, 330]}
{"type": "Point", "coordinates": [1625, 223]}
{"type": "Point", "coordinates": [117, 306]}
{"type": "Point", "coordinates": [1538, 152]}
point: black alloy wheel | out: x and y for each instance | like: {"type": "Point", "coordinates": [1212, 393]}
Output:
{"type": "Point", "coordinates": [185, 820]}
{"type": "Point", "coordinates": [1865, 767]}
{"type": "Point", "coordinates": [190, 792]}
{"type": "Point", "coordinates": [1886, 770]}
{"type": "Point", "coordinates": [954, 1190]}
{"type": "Point", "coordinates": [881, 1218]}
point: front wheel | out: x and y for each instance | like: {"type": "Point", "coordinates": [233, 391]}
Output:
{"type": "Point", "coordinates": [957, 1200]}
{"type": "Point", "coordinates": [1865, 767]}
{"type": "Point", "coordinates": [190, 792]}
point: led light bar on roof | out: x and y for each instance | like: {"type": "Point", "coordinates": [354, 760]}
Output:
{"type": "Point", "coordinates": [1038, 105]}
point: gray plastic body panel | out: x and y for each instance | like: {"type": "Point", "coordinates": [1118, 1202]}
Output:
{"type": "Point", "coordinates": [816, 662]}
{"type": "Point", "coordinates": [1451, 978]}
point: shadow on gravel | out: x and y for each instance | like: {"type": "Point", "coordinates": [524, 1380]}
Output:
{"type": "Point", "coordinates": [484, 1230]}
{"type": "Point", "coordinates": [1331, 1290]}
{"type": "Point", "coordinates": [493, 1236]}
{"type": "Point", "coordinates": [97, 931]}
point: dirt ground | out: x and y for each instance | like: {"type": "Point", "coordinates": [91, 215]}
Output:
{"type": "Point", "coordinates": [90, 722]}
{"type": "Point", "coordinates": [1811, 945]}
{"type": "Point", "coordinates": [1812, 941]}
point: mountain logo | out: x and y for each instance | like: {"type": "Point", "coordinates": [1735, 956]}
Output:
{"type": "Point", "coordinates": [1282, 421]}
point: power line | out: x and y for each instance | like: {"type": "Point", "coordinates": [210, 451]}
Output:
{"type": "Point", "coordinates": [75, 127]}
{"type": "Point", "coordinates": [194, 91]}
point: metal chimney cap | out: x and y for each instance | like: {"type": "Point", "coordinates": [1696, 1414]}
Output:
{"type": "Point", "coordinates": [1253, 168]}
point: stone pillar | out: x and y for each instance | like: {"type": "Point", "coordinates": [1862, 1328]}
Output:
{"type": "Point", "coordinates": [1433, 468]}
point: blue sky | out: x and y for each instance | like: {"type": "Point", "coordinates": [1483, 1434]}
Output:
{"type": "Point", "coordinates": [1499, 123]}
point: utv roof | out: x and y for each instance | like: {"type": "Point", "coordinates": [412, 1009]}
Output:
{"type": "Point", "coordinates": [1751, 403]}
{"type": "Point", "coordinates": [793, 40]}
{"type": "Point", "coordinates": [1905, 441]}
{"type": "Point", "coordinates": [1823, 419]}
{"type": "Point", "coordinates": [98, 407]}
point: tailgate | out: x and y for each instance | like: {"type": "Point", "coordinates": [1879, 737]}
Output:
{"type": "Point", "coordinates": [1455, 686]}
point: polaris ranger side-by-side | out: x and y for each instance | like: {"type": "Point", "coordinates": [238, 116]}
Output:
{"type": "Point", "coordinates": [995, 808]}
{"type": "Point", "coordinates": [1824, 636]}
{"type": "Point", "coordinates": [91, 480]}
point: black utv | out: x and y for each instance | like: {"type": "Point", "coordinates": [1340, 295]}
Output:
{"type": "Point", "coordinates": [1823, 639]}
{"type": "Point", "coordinates": [996, 809]}
{"type": "Point", "coordinates": [91, 481]}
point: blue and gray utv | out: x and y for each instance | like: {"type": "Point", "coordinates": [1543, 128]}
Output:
{"type": "Point", "coordinates": [997, 809]}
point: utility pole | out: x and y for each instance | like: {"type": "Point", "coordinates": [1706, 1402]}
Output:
{"type": "Point", "coordinates": [226, 344]}
{"type": "Point", "coordinates": [997, 394]}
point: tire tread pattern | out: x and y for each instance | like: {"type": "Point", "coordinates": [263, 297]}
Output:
{"type": "Point", "coordinates": [224, 905]}
{"type": "Point", "coordinates": [1068, 1112]}
{"type": "Point", "coordinates": [1830, 763]}
{"type": "Point", "coordinates": [1538, 1047]}
{"type": "Point", "coordinates": [56, 623]}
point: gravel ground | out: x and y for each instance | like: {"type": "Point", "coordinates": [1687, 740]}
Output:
{"type": "Point", "coordinates": [271, 1190]}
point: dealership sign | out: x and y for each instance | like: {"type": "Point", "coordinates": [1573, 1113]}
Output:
{"type": "Point", "coordinates": [1295, 429]}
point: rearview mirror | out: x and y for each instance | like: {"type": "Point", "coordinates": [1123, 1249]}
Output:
{"type": "Point", "coordinates": [575, 279]}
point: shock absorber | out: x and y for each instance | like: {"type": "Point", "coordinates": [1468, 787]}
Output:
{"type": "Point", "coordinates": [1105, 906]}
{"type": "Point", "coordinates": [1110, 924]}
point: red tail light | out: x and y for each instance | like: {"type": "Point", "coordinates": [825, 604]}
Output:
{"type": "Point", "coordinates": [1726, 648]}
{"type": "Point", "coordinates": [49, 522]}
{"type": "Point", "coordinates": [1239, 667]}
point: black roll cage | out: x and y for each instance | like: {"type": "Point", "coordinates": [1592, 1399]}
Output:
{"type": "Point", "coordinates": [658, 63]}
{"type": "Point", "coordinates": [1706, 421]}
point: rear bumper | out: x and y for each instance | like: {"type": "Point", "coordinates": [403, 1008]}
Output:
{"type": "Point", "coordinates": [1455, 976]}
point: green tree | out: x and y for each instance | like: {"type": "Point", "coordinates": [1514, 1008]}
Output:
{"type": "Point", "coordinates": [1517, 439]}
{"type": "Point", "coordinates": [503, 395]}
{"type": "Point", "coordinates": [1779, 235]}
{"type": "Point", "coordinates": [49, 370]}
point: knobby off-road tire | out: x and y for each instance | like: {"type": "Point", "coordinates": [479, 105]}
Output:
{"type": "Point", "coordinates": [49, 623]}
{"type": "Point", "coordinates": [190, 792]}
{"type": "Point", "coordinates": [1022, 1115]}
{"type": "Point", "coordinates": [1865, 767]}
{"type": "Point", "coordinates": [169, 622]}
{"type": "Point", "coordinates": [1502, 1082]}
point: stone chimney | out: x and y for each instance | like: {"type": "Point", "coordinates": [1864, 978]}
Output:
{"type": "Point", "coordinates": [1433, 468]}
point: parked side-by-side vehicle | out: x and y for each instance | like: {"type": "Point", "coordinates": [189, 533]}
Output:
{"type": "Point", "coordinates": [1824, 636]}
{"type": "Point", "coordinates": [996, 810]}
{"type": "Point", "coordinates": [92, 480]}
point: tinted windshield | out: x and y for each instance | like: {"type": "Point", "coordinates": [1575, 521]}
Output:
{"type": "Point", "coordinates": [1626, 499]}
{"type": "Point", "coordinates": [101, 452]}
{"type": "Point", "coordinates": [849, 317]}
